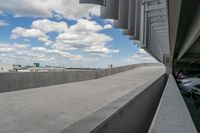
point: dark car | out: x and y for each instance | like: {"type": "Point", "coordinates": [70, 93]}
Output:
{"type": "Point", "coordinates": [195, 94]}
{"type": "Point", "coordinates": [180, 75]}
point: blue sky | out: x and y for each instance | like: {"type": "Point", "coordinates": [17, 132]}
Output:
{"type": "Point", "coordinates": [62, 33]}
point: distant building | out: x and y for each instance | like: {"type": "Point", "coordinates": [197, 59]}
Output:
{"type": "Point", "coordinates": [6, 67]}
{"type": "Point", "coordinates": [36, 64]}
{"type": "Point", "coordinates": [9, 67]}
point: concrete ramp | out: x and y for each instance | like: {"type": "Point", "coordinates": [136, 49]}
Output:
{"type": "Point", "coordinates": [51, 109]}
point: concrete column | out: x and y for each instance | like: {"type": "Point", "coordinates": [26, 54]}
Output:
{"type": "Point", "coordinates": [168, 63]}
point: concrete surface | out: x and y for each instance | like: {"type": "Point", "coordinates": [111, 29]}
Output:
{"type": "Point", "coordinates": [172, 115]}
{"type": "Point", "coordinates": [53, 108]}
{"type": "Point", "coordinates": [26, 80]}
{"type": "Point", "coordinates": [131, 113]}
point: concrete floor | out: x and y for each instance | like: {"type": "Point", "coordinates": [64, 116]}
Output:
{"type": "Point", "coordinates": [53, 108]}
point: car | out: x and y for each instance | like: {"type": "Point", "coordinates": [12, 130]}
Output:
{"type": "Point", "coordinates": [187, 84]}
{"type": "Point", "coordinates": [182, 74]}
{"type": "Point", "coordinates": [195, 94]}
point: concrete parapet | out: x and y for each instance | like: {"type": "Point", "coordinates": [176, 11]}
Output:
{"type": "Point", "coordinates": [24, 80]}
{"type": "Point", "coordinates": [172, 115]}
{"type": "Point", "coordinates": [110, 71]}
{"type": "Point", "coordinates": [132, 113]}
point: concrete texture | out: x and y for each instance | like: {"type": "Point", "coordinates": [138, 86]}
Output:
{"type": "Point", "coordinates": [131, 113]}
{"type": "Point", "coordinates": [53, 108]}
{"type": "Point", "coordinates": [26, 80]}
{"type": "Point", "coordinates": [172, 115]}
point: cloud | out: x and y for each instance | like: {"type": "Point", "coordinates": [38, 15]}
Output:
{"type": "Point", "coordinates": [48, 8]}
{"type": "Point", "coordinates": [86, 25]}
{"type": "Point", "coordinates": [141, 56]}
{"type": "Point", "coordinates": [19, 31]}
{"type": "Point", "coordinates": [84, 35]}
{"type": "Point", "coordinates": [24, 53]}
{"type": "Point", "coordinates": [5, 48]}
{"type": "Point", "coordinates": [30, 33]}
{"type": "Point", "coordinates": [56, 52]}
{"type": "Point", "coordinates": [108, 26]}
{"type": "Point", "coordinates": [46, 26]}
{"type": "Point", "coordinates": [89, 26]}
{"type": "Point", "coordinates": [3, 23]}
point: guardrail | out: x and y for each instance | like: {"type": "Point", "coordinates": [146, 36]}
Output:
{"type": "Point", "coordinates": [24, 80]}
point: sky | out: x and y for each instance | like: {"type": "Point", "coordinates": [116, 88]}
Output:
{"type": "Point", "coordinates": [62, 33]}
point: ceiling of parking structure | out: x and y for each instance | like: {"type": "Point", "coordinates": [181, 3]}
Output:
{"type": "Point", "coordinates": [184, 29]}
{"type": "Point", "coordinates": [144, 21]}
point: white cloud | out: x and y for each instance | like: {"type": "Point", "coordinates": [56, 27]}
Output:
{"type": "Point", "coordinates": [46, 26]}
{"type": "Point", "coordinates": [100, 50]}
{"type": "Point", "coordinates": [29, 33]}
{"type": "Point", "coordinates": [35, 33]}
{"type": "Point", "coordinates": [47, 8]}
{"type": "Point", "coordinates": [5, 48]}
{"type": "Point", "coordinates": [86, 25]}
{"type": "Point", "coordinates": [19, 31]}
{"type": "Point", "coordinates": [85, 36]}
{"type": "Point", "coordinates": [3, 23]}
{"type": "Point", "coordinates": [141, 56]}
{"type": "Point", "coordinates": [108, 26]}
{"type": "Point", "coordinates": [24, 53]}
{"type": "Point", "coordinates": [57, 52]}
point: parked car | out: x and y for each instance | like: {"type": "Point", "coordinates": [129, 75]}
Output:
{"type": "Point", "coordinates": [187, 84]}
{"type": "Point", "coordinates": [182, 74]}
{"type": "Point", "coordinates": [195, 94]}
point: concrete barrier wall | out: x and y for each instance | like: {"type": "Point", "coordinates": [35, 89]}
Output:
{"type": "Point", "coordinates": [110, 71]}
{"type": "Point", "coordinates": [25, 80]}
{"type": "Point", "coordinates": [18, 81]}
{"type": "Point", "coordinates": [172, 115]}
{"type": "Point", "coordinates": [132, 113]}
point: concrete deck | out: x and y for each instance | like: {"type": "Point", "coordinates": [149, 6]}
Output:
{"type": "Point", "coordinates": [53, 108]}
